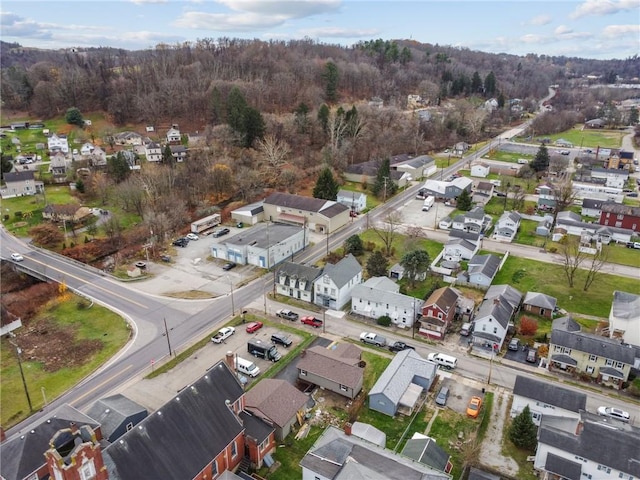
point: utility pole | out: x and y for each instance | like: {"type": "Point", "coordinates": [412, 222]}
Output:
{"type": "Point", "coordinates": [384, 195]}
{"type": "Point", "coordinates": [327, 242]}
{"type": "Point", "coordinates": [324, 317]}
{"type": "Point", "coordinates": [233, 306]}
{"type": "Point", "coordinates": [166, 332]}
{"type": "Point", "coordinates": [24, 381]}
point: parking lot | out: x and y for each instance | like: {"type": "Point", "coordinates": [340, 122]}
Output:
{"type": "Point", "coordinates": [412, 214]}
{"type": "Point", "coordinates": [460, 392]}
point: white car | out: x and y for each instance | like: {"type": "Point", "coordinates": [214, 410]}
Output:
{"type": "Point", "coordinates": [16, 257]}
{"type": "Point", "coordinates": [192, 236]}
{"type": "Point", "coordinates": [613, 412]}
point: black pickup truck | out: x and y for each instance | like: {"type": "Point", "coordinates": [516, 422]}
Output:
{"type": "Point", "coordinates": [399, 346]}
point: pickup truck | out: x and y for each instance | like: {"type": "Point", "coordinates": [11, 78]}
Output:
{"type": "Point", "coordinates": [313, 321]}
{"type": "Point", "coordinates": [373, 339]}
{"type": "Point", "coordinates": [223, 334]}
{"type": "Point", "coordinates": [287, 314]}
{"type": "Point", "coordinates": [399, 346]}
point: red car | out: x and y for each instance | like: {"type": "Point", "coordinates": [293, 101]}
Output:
{"type": "Point", "coordinates": [313, 321]}
{"type": "Point", "coordinates": [254, 327]}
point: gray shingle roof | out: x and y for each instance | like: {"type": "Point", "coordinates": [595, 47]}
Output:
{"type": "Point", "coordinates": [307, 204]}
{"type": "Point", "coordinates": [378, 295]}
{"type": "Point", "coordinates": [112, 411]}
{"type": "Point", "coordinates": [565, 323]}
{"type": "Point", "coordinates": [486, 265]}
{"type": "Point", "coordinates": [18, 176]}
{"type": "Point", "coordinates": [563, 467]}
{"type": "Point", "coordinates": [468, 236]}
{"type": "Point", "coordinates": [540, 300]}
{"type": "Point", "coordinates": [343, 271]}
{"type": "Point", "coordinates": [626, 306]}
{"type": "Point", "coordinates": [427, 451]}
{"type": "Point", "coordinates": [300, 273]}
{"type": "Point", "coordinates": [510, 294]}
{"type": "Point", "coordinates": [549, 393]}
{"type": "Point", "coordinates": [594, 345]}
{"type": "Point", "coordinates": [326, 364]}
{"type": "Point", "coordinates": [497, 307]}
{"type": "Point", "coordinates": [277, 399]}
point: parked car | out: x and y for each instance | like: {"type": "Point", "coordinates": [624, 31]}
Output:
{"type": "Point", "coordinates": [613, 412]}
{"type": "Point", "coordinates": [221, 232]}
{"type": "Point", "coordinates": [443, 395]}
{"type": "Point", "coordinates": [313, 321]}
{"type": "Point", "coordinates": [287, 314]}
{"type": "Point", "coordinates": [473, 409]}
{"type": "Point", "coordinates": [565, 152]}
{"type": "Point", "coordinates": [281, 338]}
{"type": "Point", "coordinates": [514, 344]}
{"type": "Point", "coordinates": [140, 264]}
{"type": "Point", "coordinates": [240, 225]}
{"type": "Point", "coordinates": [16, 257]}
{"type": "Point", "coordinates": [192, 236]}
{"type": "Point", "coordinates": [399, 346]}
{"type": "Point", "coordinates": [532, 355]}
{"type": "Point", "coordinates": [254, 327]}
{"type": "Point", "coordinates": [500, 194]}
{"type": "Point", "coordinates": [228, 266]}
{"type": "Point", "coordinates": [181, 242]}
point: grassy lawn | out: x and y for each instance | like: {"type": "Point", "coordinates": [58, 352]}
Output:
{"type": "Point", "coordinates": [530, 275]}
{"type": "Point", "coordinates": [372, 201]}
{"type": "Point", "coordinates": [511, 157]}
{"type": "Point", "coordinates": [290, 454]}
{"type": "Point", "coordinates": [527, 234]}
{"type": "Point", "coordinates": [445, 430]}
{"type": "Point", "coordinates": [95, 323]}
{"type": "Point", "coordinates": [589, 138]}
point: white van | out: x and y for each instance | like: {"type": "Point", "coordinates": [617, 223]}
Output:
{"type": "Point", "coordinates": [428, 203]}
{"type": "Point", "coordinates": [446, 361]}
{"type": "Point", "coordinates": [246, 366]}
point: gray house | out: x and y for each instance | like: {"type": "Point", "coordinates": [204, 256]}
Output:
{"type": "Point", "coordinates": [418, 167]}
{"type": "Point", "coordinates": [296, 281]}
{"type": "Point", "coordinates": [402, 383]}
{"type": "Point", "coordinates": [494, 315]}
{"type": "Point", "coordinates": [19, 184]}
{"type": "Point", "coordinates": [448, 190]}
{"type": "Point", "coordinates": [336, 369]}
{"type": "Point", "coordinates": [117, 415]}
{"type": "Point", "coordinates": [482, 269]}
{"type": "Point", "coordinates": [333, 288]}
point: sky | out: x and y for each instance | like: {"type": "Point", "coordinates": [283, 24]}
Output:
{"type": "Point", "coordinates": [600, 29]}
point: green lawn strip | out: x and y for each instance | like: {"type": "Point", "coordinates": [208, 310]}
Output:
{"type": "Point", "coordinates": [511, 157]}
{"type": "Point", "coordinates": [95, 323]}
{"type": "Point", "coordinates": [525, 468]}
{"type": "Point", "coordinates": [487, 406]}
{"type": "Point", "coordinates": [445, 430]}
{"type": "Point", "coordinates": [289, 454]}
{"type": "Point", "coordinates": [397, 429]}
{"type": "Point", "coordinates": [533, 276]}
{"type": "Point", "coordinates": [527, 234]}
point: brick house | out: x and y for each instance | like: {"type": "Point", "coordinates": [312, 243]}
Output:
{"type": "Point", "coordinates": [620, 216]}
{"type": "Point", "coordinates": [438, 312]}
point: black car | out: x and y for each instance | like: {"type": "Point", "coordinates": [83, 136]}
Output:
{"type": "Point", "coordinates": [282, 339]}
{"type": "Point", "coordinates": [181, 242]}
{"type": "Point", "coordinates": [228, 266]}
{"type": "Point", "coordinates": [399, 346]}
{"type": "Point", "coordinates": [221, 232]}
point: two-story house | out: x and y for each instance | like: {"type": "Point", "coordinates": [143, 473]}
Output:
{"type": "Point", "coordinates": [507, 226]}
{"type": "Point", "coordinates": [620, 216]}
{"type": "Point", "coordinates": [58, 143]}
{"type": "Point", "coordinates": [438, 312]}
{"type": "Point", "coordinates": [457, 249]}
{"type": "Point", "coordinates": [19, 184]}
{"type": "Point", "coordinates": [611, 177]}
{"type": "Point", "coordinates": [179, 153]}
{"type": "Point", "coordinates": [173, 135]}
{"type": "Point", "coordinates": [474, 220]}
{"type": "Point", "coordinates": [591, 207]}
{"type": "Point", "coordinates": [355, 201]}
{"type": "Point", "coordinates": [607, 361]}
{"type": "Point", "coordinates": [153, 152]}
{"type": "Point", "coordinates": [604, 233]}
{"type": "Point", "coordinates": [546, 399]}
{"type": "Point", "coordinates": [546, 197]}
{"type": "Point", "coordinates": [495, 314]}
{"type": "Point", "coordinates": [333, 288]}
{"type": "Point", "coordinates": [296, 281]}
{"type": "Point", "coordinates": [588, 448]}
{"type": "Point", "coordinates": [380, 296]}
{"type": "Point", "coordinates": [337, 369]}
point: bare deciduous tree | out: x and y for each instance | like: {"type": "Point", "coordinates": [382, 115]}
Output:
{"type": "Point", "coordinates": [388, 229]}
{"type": "Point", "coordinates": [572, 257]}
{"type": "Point", "coordinates": [596, 263]}
{"type": "Point", "coordinates": [275, 154]}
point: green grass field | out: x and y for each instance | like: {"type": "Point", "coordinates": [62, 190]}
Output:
{"type": "Point", "coordinates": [510, 157]}
{"type": "Point", "coordinates": [587, 138]}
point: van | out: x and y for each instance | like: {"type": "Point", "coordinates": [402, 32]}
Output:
{"type": "Point", "coordinates": [428, 203]}
{"type": "Point", "coordinates": [446, 361]}
{"type": "Point", "coordinates": [443, 394]}
{"type": "Point", "coordinates": [466, 329]}
{"type": "Point", "coordinates": [246, 367]}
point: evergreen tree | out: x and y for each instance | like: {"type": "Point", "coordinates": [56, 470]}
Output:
{"type": "Point", "coordinates": [330, 76]}
{"type": "Point", "coordinates": [501, 100]}
{"type": "Point", "coordinates": [476, 83]}
{"type": "Point", "coordinates": [490, 84]}
{"type": "Point", "coordinates": [377, 265]}
{"type": "Point", "coordinates": [253, 127]}
{"type": "Point", "coordinates": [541, 161]}
{"type": "Point", "coordinates": [464, 202]}
{"type": "Point", "coordinates": [415, 263]}
{"type": "Point", "coordinates": [353, 245]}
{"type": "Point", "coordinates": [632, 119]}
{"type": "Point", "coordinates": [384, 186]}
{"type": "Point", "coordinates": [302, 117]}
{"type": "Point", "coordinates": [523, 432]}
{"type": "Point", "coordinates": [74, 117]}
{"type": "Point", "coordinates": [236, 106]}
{"type": "Point", "coordinates": [326, 187]}
{"type": "Point", "coordinates": [323, 117]}
{"type": "Point", "coordinates": [405, 55]}
{"type": "Point", "coordinates": [167, 156]}
{"type": "Point", "coordinates": [118, 167]}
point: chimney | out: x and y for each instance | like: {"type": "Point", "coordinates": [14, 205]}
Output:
{"type": "Point", "coordinates": [347, 428]}
{"type": "Point", "coordinates": [229, 360]}
{"type": "Point", "coordinates": [496, 301]}
{"type": "Point", "coordinates": [73, 427]}
{"type": "Point", "coordinates": [579, 427]}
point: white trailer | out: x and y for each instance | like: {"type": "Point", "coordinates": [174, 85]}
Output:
{"type": "Point", "coordinates": [428, 203]}
{"type": "Point", "coordinates": [205, 223]}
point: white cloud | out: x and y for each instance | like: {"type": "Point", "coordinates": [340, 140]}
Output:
{"type": "Point", "coordinates": [336, 32]}
{"type": "Point", "coordinates": [143, 2]}
{"type": "Point", "coordinates": [286, 8]}
{"type": "Point", "coordinates": [603, 7]}
{"type": "Point", "coordinates": [540, 20]}
{"type": "Point", "coordinates": [223, 22]}
{"type": "Point", "coordinates": [613, 31]}
{"type": "Point", "coordinates": [562, 30]}
{"type": "Point", "coordinates": [533, 38]}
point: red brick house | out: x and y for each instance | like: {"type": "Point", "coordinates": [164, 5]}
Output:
{"type": "Point", "coordinates": [438, 312]}
{"type": "Point", "coordinates": [620, 216]}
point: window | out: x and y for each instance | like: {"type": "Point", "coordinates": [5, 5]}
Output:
{"type": "Point", "coordinates": [343, 388]}
{"type": "Point", "coordinates": [609, 363]}
{"type": "Point", "coordinates": [495, 329]}
{"type": "Point", "coordinates": [440, 315]}
{"type": "Point", "coordinates": [234, 450]}
{"type": "Point", "coordinates": [129, 426]}
{"type": "Point", "coordinates": [87, 470]}
{"type": "Point", "coordinates": [303, 373]}
{"type": "Point", "coordinates": [214, 468]}
{"type": "Point", "coordinates": [590, 369]}
{"type": "Point", "coordinates": [604, 468]}
{"type": "Point", "coordinates": [263, 445]}
{"type": "Point", "coordinates": [593, 358]}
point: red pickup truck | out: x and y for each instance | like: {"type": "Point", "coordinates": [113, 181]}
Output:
{"type": "Point", "coordinates": [313, 321]}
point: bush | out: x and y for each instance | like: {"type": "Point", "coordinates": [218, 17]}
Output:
{"type": "Point", "coordinates": [18, 214]}
{"type": "Point", "coordinates": [528, 326]}
{"type": "Point", "coordinates": [6, 218]}
{"type": "Point", "coordinates": [384, 321]}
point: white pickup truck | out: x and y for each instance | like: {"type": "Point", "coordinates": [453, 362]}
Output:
{"type": "Point", "coordinates": [373, 339]}
{"type": "Point", "coordinates": [223, 334]}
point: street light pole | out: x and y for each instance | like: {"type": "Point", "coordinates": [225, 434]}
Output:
{"type": "Point", "coordinates": [233, 306]}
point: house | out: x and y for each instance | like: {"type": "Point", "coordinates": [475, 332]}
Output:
{"type": "Point", "coordinates": [595, 123]}
{"type": "Point", "coordinates": [445, 223]}
{"type": "Point", "coordinates": [539, 304]}
{"type": "Point", "coordinates": [480, 169]}
{"type": "Point", "coordinates": [561, 142]}
{"type": "Point", "coordinates": [438, 313]}
{"type": "Point", "coordinates": [86, 148]}
{"type": "Point", "coordinates": [610, 177]}
{"type": "Point", "coordinates": [58, 143]}
{"type": "Point", "coordinates": [573, 224]}
{"type": "Point", "coordinates": [131, 158]}
{"type": "Point", "coordinates": [624, 317]}
{"type": "Point", "coordinates": [482, 269]}
{"type": "Point", "coordinates": [401, 385]}
{"type": "Point", "coordinates": [116, 415]}
{"type": "Point", "coordinates": [296, 281]}
{"type": "Point", "coordinates": [491, 105]}
{"type": "Point", "coordinates": [590, 447]}
{"type": "Point", "coordinates": [153, 152]}
{"type": "Point", "coordinates": [425, 450]}
{"type": "Point", "coordinates": [196, 139]}
{"type": "Point", "coordinates": [333, 288]}
{"type": "Point", "coordinates": [21, 456]}
{"type": "Point", "coordinates": [597, 191]}
{"type": "Point", "coordinates": [265, 245]}
{"type": "Point", "coordinates": [179, 153]}
{"type": "Point", "coordinates": [380, 296]}
{"type": "Point", "coordinates": [68, 212]}
{"type": "Point", "coordinates": [544, 226]}
{"type": "Point", "coordinates": [127, 138]}
{"type": "Point", "coordinates": [474, 220]}
{"type": "Point", "coordinates": [447, 190]}
{"type": "Point", "coordinates": [19, 184]}
{"type": "Point", "coordinates": [336, 368]}
{"type": "Point", "coordinates": [173, 135]}
{"type": "Point", "coordinates": [591, 207]}
{"type": "Point", "coordinates": [367, 172]}
{"type": "Point", "coordinates": [507, 226]}
{"type": "Point", "coordinates": [376, 102]}
{"type": "Point", "coordinates": [58, 167]}
{"type": "Point", "coordinates": [461, 147]}
{"type": "Point", "coordinates": [355, 201]}
{"type": "Point", "coordinates": [619, 216]}
{"type": "Point", "coordinates": [322, 216]}
{"type": "Point", "coordinates": [546, 399]}
{"type": "Point", "coordinates": [277, 403]}
{"type": "Point", "coordinates": [417, 167]}
{"type": "Point", "coordinates": [97, 157]}
{"type": "Point", "coordinates": [471, 237]}
{"type": "Point", "coordinates": [483, 193]}
{"type": "Point", "coordinates": [339, 455]}
{"type": "Point", "coordinates": [457, 249]}
{"type": "Point", "coordinates": [546, 197]}
{"type": "Point", "coordinates": [606, 360]}
{"type": "Point", "coordinates": [495, 314]}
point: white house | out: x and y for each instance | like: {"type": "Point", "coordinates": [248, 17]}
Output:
{"type": "Point", "coordinates": [153, 152]}
{"type": "Point", "coordinates": [495, 314]}
{"type": "Point", "coordinates": [613, 177]}
{"type": "Point", "coordinates": [58, 142]}
{"type": "Point", "coordinates": [173, 135]}
{"type": "Point", "coordinates": [591, 447]}
{"type": "Point", "coordinates": [380, 296]}
{"type": "Point", "coordinates": [591, 208]}
{"type": "Point", "coordinates": [573, 225]}
{"type": "Point", "coordinates": [87, 148]}
{"type": "Point", "coordinates": [597, 191]}
{"type": "Point", "coordinates": [546, 399]}
{"type": "Point", "coordinates": [333, 288]}
{"type": "Point", "coordinates": [457, 249]}
{"type": "Point", "coordinates": [507, 226]}
{"type": "Point", "coordinates": [296, 281]}
{"type": "Point", "coordinates": [624, 317]}
{"type": "Point", "coordinates": [474, 220]}
{"type": "Point", "coordinates": [355, 201]}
